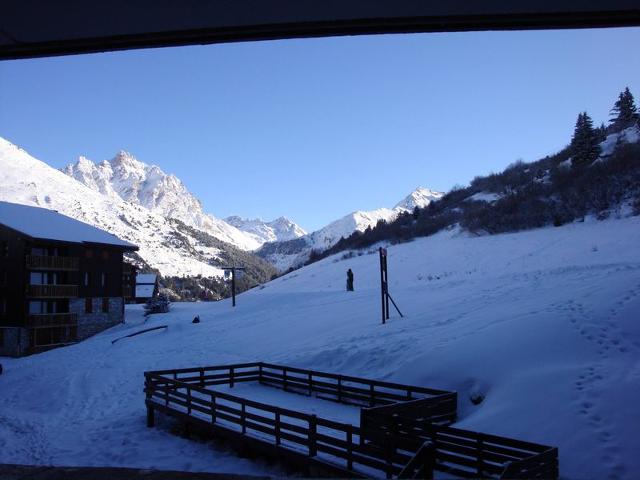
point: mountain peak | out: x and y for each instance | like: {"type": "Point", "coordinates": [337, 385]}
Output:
{"type": "Point", "coordinates": [420, 197]}
{"type": "Point", "coordinates": [280, 229]}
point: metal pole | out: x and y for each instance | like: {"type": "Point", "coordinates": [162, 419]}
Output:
{"type": "Point", "coordinates": [386, 286]}
{"type": "Point", "coordinates": [233, 286]}
{"type": "Point", "coordinates": [382, 289]}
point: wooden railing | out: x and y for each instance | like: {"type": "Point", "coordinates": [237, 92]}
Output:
{"type": "Point", "coordinates": [52, 320]}
{"type": "Point", "coordinates": [41, 262]}
{"type": "Point", "coordinates": [52, 291]}
{"type": "Point", "coordinates": [319, 439]}
{"type": "Point", "coordinates": [342, 388]}
{"type": "Point", "coordinates": [465, 453]}
{"type": "Point", "coordinates": [396, 436]}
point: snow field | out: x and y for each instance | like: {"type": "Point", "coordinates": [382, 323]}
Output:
{"type": "Point", "coordinates": [543, 324]}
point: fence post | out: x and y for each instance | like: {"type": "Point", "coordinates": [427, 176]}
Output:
{"type": "Point", "coordinates": [231, 379]}
{"type": "Point", "coordinates": [339, 388]}
{"type": "Point", "coordinates": [277, 427]}
{"type": "Point", "coordinates": [310, 382]}
{"type": "Point", "coordinates": [189, 400]}
{"type": "Point", "coordinates": [313, 426]}
{"type": "Point", "coordinates": [428, 461]}
{"type": "Point", "coordinates": [148, 390]}
{"type": "Point", "coordinates": [243, 419]}
{"type": "Point", "coordinates": [479, 447]}
{"type": "Point", "coordinates": [284, 379]}
{"type": "Point", "coordinates": [213, 408]}
{"type": "Point", "coordinates": [389, 451]}
{"type": "Point", "coordinates": [350, 447]}
{"type": "Point", "coordinates": [372, 400]}
{"type": "Point", "coordinates": [150, 417]}
{"type": "Point", "coordinates": [260, 373]}
{"type": "Point", "coordinates": [202, 377]}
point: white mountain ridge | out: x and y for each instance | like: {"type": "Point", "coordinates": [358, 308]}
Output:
{"type": "Point", "coordinates": [163, 245]}
{"type": "Point", "coordinates": [280, 229]}
{"type": "Point", "coordinates": [285, 255]}
{"type": "Point", "coordinates": [127, 178]}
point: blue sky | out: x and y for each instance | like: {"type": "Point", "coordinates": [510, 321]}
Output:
{"type": "Point", "coordinates": [313, 129]}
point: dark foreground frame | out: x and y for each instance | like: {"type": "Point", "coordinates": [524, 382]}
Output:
{"type": "Point", "coordinates": [403, 429]}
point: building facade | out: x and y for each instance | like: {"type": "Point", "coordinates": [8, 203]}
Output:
{"type": "Point", "coordinates": [61, 280]}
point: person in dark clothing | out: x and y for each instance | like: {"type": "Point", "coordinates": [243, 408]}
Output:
{"type": "Point", "coordinates": [349, 281]}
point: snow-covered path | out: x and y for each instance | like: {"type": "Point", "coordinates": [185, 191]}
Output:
{"type": "Point", "coordinates": [543, 323]}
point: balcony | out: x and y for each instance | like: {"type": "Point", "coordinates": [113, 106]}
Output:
{"type": "Point", "coordinates": [52, 291]}
{"type": "Point", "coordinates": [52, 320]}
{"type": "Point", "coordinates": [37, 262]}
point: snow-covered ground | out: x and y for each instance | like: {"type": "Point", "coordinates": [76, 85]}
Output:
{"type": "Point", "coordinates": [545, 324]}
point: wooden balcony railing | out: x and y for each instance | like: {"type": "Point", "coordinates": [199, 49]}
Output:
{"type": "Point", "coordinates": [38, 262]}
{"type": "Point", "coordinates": [52, 320]}
{"type": "Point", "coordinates": [52, 291]}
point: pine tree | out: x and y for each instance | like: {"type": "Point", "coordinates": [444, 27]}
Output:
{"type": "Point", "coordinates": [624, 110]}
{"type": "Point", "coordinates": [601, 133]}
{"type": "Point", "coordinates": [585, 147]}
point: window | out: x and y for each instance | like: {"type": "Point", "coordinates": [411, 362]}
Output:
{"type": "Point", "coordinates": [38, 251]}
{"type": "Point", "coordinates": [37, 278]}
{"type": "Point", "coordinates": [36, 307]}
{"type": "Point", "coordinates": [88, 305]}
{"type": "Point", "coordinates": [103, 279]}
{"type": "Point", "coordinates": [105, 305]}
{"type": "Point", "coordinates": [3, 306]}
{"type": "Point", "coordinates": [87, 279]}
{"type": "Point", "coordinates": [4, 249]}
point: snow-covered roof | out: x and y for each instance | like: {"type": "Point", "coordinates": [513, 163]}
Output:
{"type": "Point", "coordinates": [144, 291]}
{"type": "Point", "coordinates": [48, 224]}
{"type": "Point", "coordinates": [148, 278]}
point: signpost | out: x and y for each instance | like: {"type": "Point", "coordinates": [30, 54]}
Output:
{"type": "Point", "coordinates": [384, 287]}
{"type": "Point", "coordinates": [231, 271]}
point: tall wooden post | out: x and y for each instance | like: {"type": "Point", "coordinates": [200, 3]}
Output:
{"type": "Point", "coordinates": [233, 270]}
{"type": "Point", "coordinates": [233, 287]}
{"type": "Point", "coordinates": [384, 286]}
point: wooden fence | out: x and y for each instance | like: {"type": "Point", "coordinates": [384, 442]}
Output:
{"type": "Point", "coordinates": [403, 433]}
{"type": "Point", "coordinates": [461, 453]}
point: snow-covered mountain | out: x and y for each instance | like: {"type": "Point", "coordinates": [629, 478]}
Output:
{"type": "Point", "coordinates": [124, 177]}
{"type": "Point", "coordinates": [420, 197]}
{"type": "Point", "coordinates": [294, 252]}
{"type": "Point", "coordinates": [166, 244]}
{"type": "Point", "coordinates": [279, 230]}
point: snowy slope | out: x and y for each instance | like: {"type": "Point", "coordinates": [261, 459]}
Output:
{"type": "Point", "coordinates": [544, 323]}
{"type": "Point", "coordinates": [28, 181]}
{"type": "Point", "coordinates": [124, 177]}
{"type": "Point", "coordinates": [278, 230]}
{"type": "Point", "coordinates": [290, 254]}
